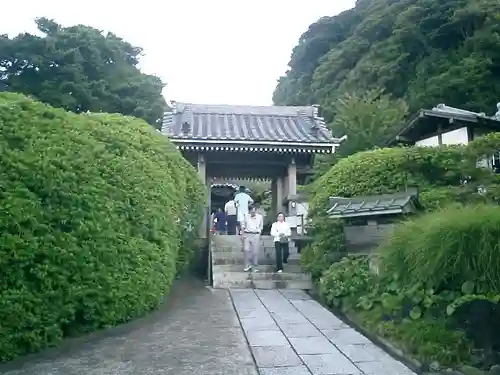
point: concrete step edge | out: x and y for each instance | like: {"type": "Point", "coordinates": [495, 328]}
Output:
{"type": "Point", "coordinates": [242, 276]}
{"type": "Point", "coordinates": [241, 261]}
{"type": "Point", "coordinates": [263, 284]}
{"type": "Point", "coordinates": [290, 268]}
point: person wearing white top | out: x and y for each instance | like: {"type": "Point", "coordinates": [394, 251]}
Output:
{"type": "Point", "coordinates": [281, 232]}
{"type": "Point", "coordinates": [242, 201]}
{"type": "Point", "coordinates": [251, 228]}
{"type": "Point", "coordinates": [231, 219]}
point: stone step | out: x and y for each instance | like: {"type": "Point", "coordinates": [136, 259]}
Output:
{"type": "Point", "coordinates": [242, 275]}
{"type": "Point", "coordinates": [266, 252]}
{"type": "Point", "coordinates": [289, 268]}
{"type": "Point", "coordinates": [262, 250]}
{"type": "Point", "coordinates": [264, 284]}
{"type": "Point", "coordinates": [262, 280]}
{"type": "Point", "coordinates": [240, 260]}
{"type": "Point", "coordinates": [223, 241]}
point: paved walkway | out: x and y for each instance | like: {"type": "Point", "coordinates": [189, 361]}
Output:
{"type": "Point", "coordinates": [291, 334]}
{"type": "Point", "coordinates": [198, 333]}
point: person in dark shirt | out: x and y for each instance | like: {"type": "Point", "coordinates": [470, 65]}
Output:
{"type": "Point", "coordinates": [220, 221]}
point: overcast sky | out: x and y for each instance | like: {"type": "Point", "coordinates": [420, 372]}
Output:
{"type": "Point", "coordinates": [210, 52]}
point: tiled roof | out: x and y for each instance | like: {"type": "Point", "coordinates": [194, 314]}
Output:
{"type": "Point", "coordinates": [396, 203]}
{"type": "Point", "coordinates": [415, 126]}
{"type": "Point", "coordinates": [252, 125]}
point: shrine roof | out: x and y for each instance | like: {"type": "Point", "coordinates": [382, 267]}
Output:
{"type": "Point", "coordinates": [424, 121]}
{"type": "Point", "coordinates": [396, 203]}
{"type": "Point", "coordinates": [263, 128]}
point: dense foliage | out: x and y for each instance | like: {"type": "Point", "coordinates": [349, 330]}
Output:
{"type": "Point", "coordinates": [80, 69]}
{"type": "Point", "coordinates": [447, 248]}
{"type": "Point", "coordinates": [436, 292]}
{"type": "Point", "coordinates": [389, 170]}
{"type": "Point", "coordinates": [414, 318]}
{"type": "Point", "coordinates": [437, 289]}
{"type": "Point", "coordinates": [424, 51]}
{"type": "Point", "coordinates": [97, 211]}
{"type": "Point", "coordinates": [438, 173]}
{"type": "Point", "coordinates": [368, 119]}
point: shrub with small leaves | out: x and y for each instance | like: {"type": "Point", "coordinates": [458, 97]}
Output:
{"type": "Point", "coordinates": [346, 280]}
{"type": "Point", "coordinates": [93, 219]}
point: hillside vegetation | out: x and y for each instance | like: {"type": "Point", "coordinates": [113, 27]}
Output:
{"type": "Point", "coordinates": [97, 214]}
{"type": "Point", "coordinates": [423, 51]}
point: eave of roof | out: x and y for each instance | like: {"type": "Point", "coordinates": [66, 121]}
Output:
{"type": "Point", "coordinates": [374, 205]}
{"type": "Point", "coordinates": [470, 120]}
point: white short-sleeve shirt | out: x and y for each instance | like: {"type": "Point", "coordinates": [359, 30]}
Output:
{"type": "Point", "coordinates": [242, 200]}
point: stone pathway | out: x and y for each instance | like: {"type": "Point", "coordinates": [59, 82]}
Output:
{"type": "Point", "coordinates": [291, 334]}
{"type": "Point", "coordinates": [195, 333]}
{"type": "Point", "coordinates": [198, 333]}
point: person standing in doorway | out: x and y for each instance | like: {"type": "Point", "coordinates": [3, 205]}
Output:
{"type": "Point", "coordinates": [243, 202]}
{"type": "Point", "coordinates": [281, 232]}
{"type": "Point", "coordinates": [230, 209]}
{"type": "Point", "coordinates": [251, 228]}
{"type": "Point", "coordinates": [220, 221]}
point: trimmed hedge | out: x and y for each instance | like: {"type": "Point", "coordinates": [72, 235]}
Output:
{"type": "Point", "coordinates": [93, 225]}
{"type": "Point", "coordinates": [446, 249]}
{"type": "Point", "coordinates": [437, 172]}
{"type": "Point", "coordinates": [389, 170]}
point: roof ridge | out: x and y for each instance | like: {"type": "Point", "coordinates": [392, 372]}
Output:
{"type": "Point", "coordinates": [287, 111]}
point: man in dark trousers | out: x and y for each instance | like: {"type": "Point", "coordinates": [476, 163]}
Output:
{"type": "Point", "coordinates": [231, 219]}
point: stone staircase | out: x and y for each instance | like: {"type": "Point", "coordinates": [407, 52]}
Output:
{"type": "Point", "coordinates": [228, 263]}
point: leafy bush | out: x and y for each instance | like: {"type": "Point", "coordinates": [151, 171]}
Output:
{"type": "Point", "coordinates": [328, 247]}
{"type": "Point", "coordinates": [93, 221]}
{"type": "Point", "coordinates": [413, 317]}
{"type": "Point", "coordinates": [447, 248]}
{"type": "Point", "coordinates": [346, 281]}
{"type": "Point", "coordinates": [389, 170]}
{"type": "Point", "coordinates": [379, 172]}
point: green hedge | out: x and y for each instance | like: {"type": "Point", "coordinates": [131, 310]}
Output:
{"type": "Point", "coordinates": [93, 221]}
{"type": "Point", "coordinates": [446, 249]}
{"type": "Point", "coordinates": [389, 170]}
{"type": "Point", "coordinates": [437, 172]}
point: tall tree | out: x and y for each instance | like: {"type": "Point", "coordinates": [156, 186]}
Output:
{"type": "Point", "coordinates": [80, 69]}
{"type": "Point", "coordinates": [368, 119]}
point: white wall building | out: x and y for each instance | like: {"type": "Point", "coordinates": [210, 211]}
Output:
{"type": "Point", "coordinates": [444, 125]}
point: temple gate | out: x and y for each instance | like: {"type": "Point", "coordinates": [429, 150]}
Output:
{"type": "Point", "coordinates": [274, 143]}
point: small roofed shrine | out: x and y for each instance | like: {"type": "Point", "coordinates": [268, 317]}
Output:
{"type": "Point", "coordinates": [369, 220]}
{"type": "Point", "coordinates": [275, 143]}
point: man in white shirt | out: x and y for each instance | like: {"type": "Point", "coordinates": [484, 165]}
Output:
{"type": "Point", "coordinates": [231, 219]}
{"type": "Point", "coordinates": [243, 202]}
{"type": "Point", "coordinates": [251, 228]}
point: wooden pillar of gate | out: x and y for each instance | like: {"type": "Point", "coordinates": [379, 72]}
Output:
{"type": "Point", "coordinates": [202, 173]}
{"type": "Point", "coordinates": [291, 187]}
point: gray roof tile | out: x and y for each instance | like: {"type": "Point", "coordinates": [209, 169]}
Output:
{"type": "Point", "coordinates": [372, 205]}
{"type": "Point", "coordinates": [249, 123]}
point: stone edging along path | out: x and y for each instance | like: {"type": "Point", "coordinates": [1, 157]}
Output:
{"type": "Point", "coordinates": [289, 333]}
